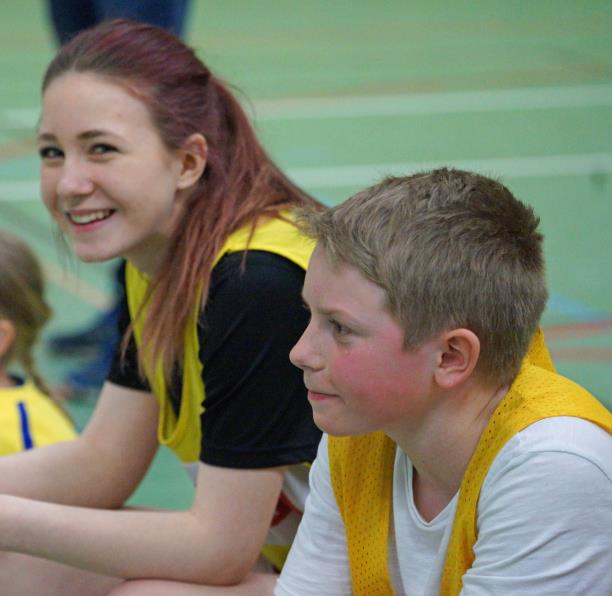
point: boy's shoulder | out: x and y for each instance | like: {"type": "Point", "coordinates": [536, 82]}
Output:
{"type": "Point", "coordinates": [559, 440]}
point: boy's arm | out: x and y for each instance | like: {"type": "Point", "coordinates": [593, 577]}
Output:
{"type": "Point", "coordinates": [318, 560]}
{"type": "Point", "coordinates": [545, 514]}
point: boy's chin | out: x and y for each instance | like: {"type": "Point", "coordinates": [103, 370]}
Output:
{"type": "Point", "coordinates": [335, 428]}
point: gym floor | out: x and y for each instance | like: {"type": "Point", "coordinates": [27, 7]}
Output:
{"type": "Point", "coordinates": [342, 93]}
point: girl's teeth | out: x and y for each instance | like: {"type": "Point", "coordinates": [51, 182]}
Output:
{"type": "Point", "coordinates": [89, 217]}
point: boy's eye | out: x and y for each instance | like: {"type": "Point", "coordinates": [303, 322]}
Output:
{"type": "Point", "coordinates": [101, 149]}
{"type": "Point", "coordinates": [50, 153]}
{"type": "Point", "coordinates": [338, 329]}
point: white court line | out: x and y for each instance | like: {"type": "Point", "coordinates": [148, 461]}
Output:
{"type": "Point", "coordinates": [586, 164]}
{"type": "Point", "coordinates": [529, 98]}
{"type": "Point", "coordinates": [356, 106]}
{"type": "Point", "coordinates": [511, 167]}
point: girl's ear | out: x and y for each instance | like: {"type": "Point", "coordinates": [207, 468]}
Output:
{"type": "Point", "coordinates": [194, 153]}
{"type": "Point", "coordinates": [458, 357]}
{"type": "Point", "coordinates": [7, 336]}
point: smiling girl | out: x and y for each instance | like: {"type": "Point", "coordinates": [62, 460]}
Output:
{"type": "Point", "coordinates": [146, 155]}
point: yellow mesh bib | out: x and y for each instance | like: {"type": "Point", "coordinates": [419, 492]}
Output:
{"type": "Point", "coordinates": [362, 473]}
{"type": "Point", "coordinates": [182, 433]}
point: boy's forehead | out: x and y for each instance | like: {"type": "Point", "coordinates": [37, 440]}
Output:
{"type": "Point", "coordinates": [323, 263]}
{"type": "Point", "coordinates": [340, 284]}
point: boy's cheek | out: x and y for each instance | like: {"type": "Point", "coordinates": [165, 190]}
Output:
{"type": "Point", "coordinates": [358, 377]}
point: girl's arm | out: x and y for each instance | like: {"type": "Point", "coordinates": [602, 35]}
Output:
{"type": "Point", "coordinates": [102, 467]}
{"type": "Point", "coordinates": [215, 542]}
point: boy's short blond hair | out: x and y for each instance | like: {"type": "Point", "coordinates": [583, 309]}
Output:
{"type": "Point", "coordinates": [451, 249]}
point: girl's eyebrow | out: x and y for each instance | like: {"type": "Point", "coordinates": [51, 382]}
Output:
{"type": "Point", "coordinates": [91, 134]}
{"type": "Point", "coordinates": [87, 135]}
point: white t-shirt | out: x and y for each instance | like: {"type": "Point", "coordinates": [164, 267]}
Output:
{"type": "Point", "coordinates": [544, 523]}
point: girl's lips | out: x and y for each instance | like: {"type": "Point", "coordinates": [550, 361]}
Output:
{"type": "Point", "coordinates": [90, 220]}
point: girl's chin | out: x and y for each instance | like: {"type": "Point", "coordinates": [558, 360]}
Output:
{"type": "Point", "coordinates": [91, 256]}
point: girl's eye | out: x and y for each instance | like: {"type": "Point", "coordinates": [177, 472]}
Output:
{"type": "Point", "coordinates": [101, 149]}
{"type": "Point", "coordinates": [50, 153]}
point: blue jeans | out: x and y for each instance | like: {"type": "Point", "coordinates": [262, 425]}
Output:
{"type": "Point", "coordinates": [71, 16]}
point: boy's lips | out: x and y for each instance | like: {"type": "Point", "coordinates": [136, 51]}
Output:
{"type": "Point", "coordinates": [318, 396]}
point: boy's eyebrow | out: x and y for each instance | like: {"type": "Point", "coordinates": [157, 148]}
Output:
{"type": "Point", "coordinates": [334, 312]}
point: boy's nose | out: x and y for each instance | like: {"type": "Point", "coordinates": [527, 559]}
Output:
{"type": "Point", "coordinates": [303, 354]}
{"type": "Point", "coordinates": [295, 355]}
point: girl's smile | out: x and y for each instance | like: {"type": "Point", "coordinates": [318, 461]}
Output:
{"type": "Point", "coordinates": [87, 218]}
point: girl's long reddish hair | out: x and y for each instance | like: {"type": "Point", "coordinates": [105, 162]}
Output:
{"type": "Point", "coordinates": [239, 185]}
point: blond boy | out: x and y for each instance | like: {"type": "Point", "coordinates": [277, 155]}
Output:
{"type": "Point", "coordinates": [457, 460]}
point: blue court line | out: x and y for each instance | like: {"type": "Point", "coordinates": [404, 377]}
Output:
{"type": "Point", "coordinates": [574, 309]}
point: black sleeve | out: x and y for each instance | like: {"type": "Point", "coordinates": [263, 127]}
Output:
{"type": "Point", "coordinates": [124, 371]}
{"type": "Point", "coordinates": [256, 412]}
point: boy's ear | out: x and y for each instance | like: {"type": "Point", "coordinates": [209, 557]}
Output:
{"type": "Point", "coordinates": [7, 336]}
{"type": "Point", "coordinates": [194, 154]}
{"type": "Point", "coordinates": [460, 349]}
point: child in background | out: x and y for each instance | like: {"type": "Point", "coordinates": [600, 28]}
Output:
{"type": "Point", "coordinates": [461, 462]}
{"type": "Point", "coordinates": [28, 415]}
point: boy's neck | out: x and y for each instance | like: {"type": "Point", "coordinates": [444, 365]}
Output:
{"type": "Point", "coordinates": [441, 448]}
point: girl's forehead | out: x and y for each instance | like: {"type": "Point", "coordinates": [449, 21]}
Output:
{"type": "Point", "coordinates": [87, 83]}
{"type": "Point", "coordinates": [76, 77]}
{"type": "Point", "coordinates": [84, 100]}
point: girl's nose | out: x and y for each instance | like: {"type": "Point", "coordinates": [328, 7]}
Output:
{"type": "Point", "coordinates": [74, 181]}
